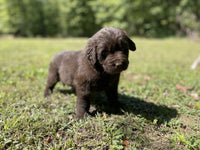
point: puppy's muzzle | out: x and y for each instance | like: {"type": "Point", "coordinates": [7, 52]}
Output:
{"type": "Point", "coordinates": [121, 65]}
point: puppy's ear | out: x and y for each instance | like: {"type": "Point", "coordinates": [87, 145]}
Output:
{"type": "Point", "coordinates": [91, 55]}
{"type": "Point", "coordinates": [131, 45]}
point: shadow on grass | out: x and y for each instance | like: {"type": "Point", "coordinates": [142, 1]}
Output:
{"type": "Point", "coordinates": [148, 110]}
{"type": "Point", "coordinates": [139, 107]}
{"type": "Point", "coordinates": [130, 104]}
{"type": "Point", "coordinates": [68, 91]}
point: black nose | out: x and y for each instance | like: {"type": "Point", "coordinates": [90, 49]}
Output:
{"type": "Point", "coordinates": [117, 64]}
{"type": "Point", "coordinates": [122, 65]}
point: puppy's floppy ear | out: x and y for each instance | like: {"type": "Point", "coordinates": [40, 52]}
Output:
{"type": "Point", "coordinates": [131, 45]}
{"type": "Point", "coordinates": [91, 55]}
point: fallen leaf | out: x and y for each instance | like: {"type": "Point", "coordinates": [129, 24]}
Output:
{"type": "Point", "coordinates": [190, 105]}
{"type": "Point", "coordinates": [195, 96]}
{"type": "Point", "coordinates": [182, 88]}
{"type": "Point", "coordinates": [47, 140]}
{"type": "Point", "coordinates": [165, 93]}
{"type": "Point", "coordinates": [126, 143]}
{"type": "Point", "coordinates": [104, 115]}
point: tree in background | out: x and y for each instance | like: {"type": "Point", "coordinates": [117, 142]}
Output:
{"type": "Point", "coordinates": [4, 17]}
{"type": "Point", "coordinates": [188, 17]}
{"type": "Point", "coordinates": [77, 18]}
{"type": "Point", "coordinates": [33, 18]}
{"type": "Point", "coordinates": [152, 18]}
{"type": "Point", "coordinates": [110, 13]}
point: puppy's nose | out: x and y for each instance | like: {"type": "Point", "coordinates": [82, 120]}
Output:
{"type": "Point", "coordinates": [121, 64]}
{"type": "Point", "coordinates": [117, 64]}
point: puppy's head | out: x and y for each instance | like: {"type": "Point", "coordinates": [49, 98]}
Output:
{"type": "Point", "coordinates": [108, 50]}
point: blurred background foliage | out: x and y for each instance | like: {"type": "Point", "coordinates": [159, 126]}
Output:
{"type": "Point", "coordinates": [150, 18]}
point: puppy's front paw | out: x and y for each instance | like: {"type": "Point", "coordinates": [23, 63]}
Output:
{"type": "Point", "coordinates": [46, 93]}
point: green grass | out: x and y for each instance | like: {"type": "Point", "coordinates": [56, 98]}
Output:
{"type": "Point", "coordinates": [156, 114]}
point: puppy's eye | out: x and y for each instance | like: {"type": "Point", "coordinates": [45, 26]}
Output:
{"type": "Point", "coordinates": [104, 54]}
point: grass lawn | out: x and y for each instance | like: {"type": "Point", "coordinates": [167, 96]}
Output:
{"type": "Point", "coordinates": [159, 93]}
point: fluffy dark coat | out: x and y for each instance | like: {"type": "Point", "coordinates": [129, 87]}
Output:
{"type": "Point", "coordinates": [97, 68]}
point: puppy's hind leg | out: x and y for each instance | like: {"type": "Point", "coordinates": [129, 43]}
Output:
{"type": "Point", "coordinates": [52, 79]}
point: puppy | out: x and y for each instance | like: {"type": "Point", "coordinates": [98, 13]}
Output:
{"type": "Point", "coordinates": [97, 68]}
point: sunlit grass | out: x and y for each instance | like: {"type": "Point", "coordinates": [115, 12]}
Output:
{"type": "Point", "coordinates": [157, 114]}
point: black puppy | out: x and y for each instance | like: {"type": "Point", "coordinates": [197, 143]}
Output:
{"type": "Point", "coordinates": [97, 68]}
